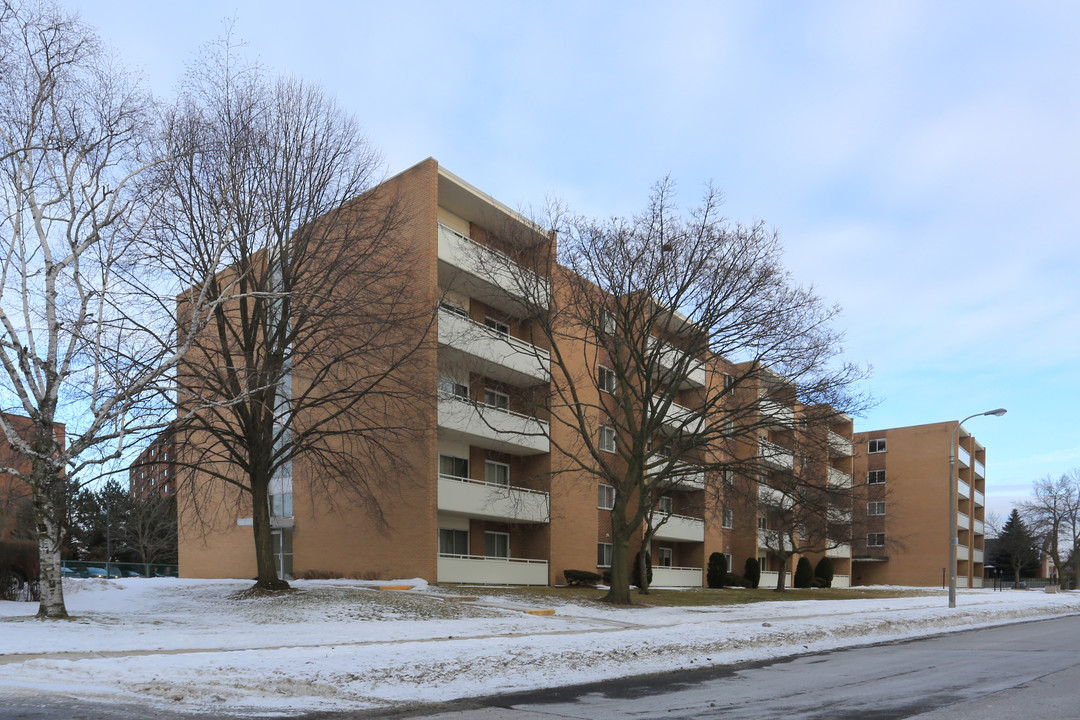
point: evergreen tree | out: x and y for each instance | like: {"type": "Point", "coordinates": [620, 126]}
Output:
{"type": "Point", "coordinates": [824, 571]}
{"type": "Point", "coordinates": [1016, 551]}
{"type": "Point", "coordinates": [717, 570]}
{"type": "Point", "coordinates": [752, 571]}
{"type": "Point", "coordinates": [804, 573]}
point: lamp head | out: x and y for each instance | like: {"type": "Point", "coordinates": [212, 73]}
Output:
{"type": "Point", "coordinates": [997, 413]}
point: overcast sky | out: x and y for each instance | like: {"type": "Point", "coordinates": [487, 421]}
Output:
{"type": "Point", "coordinates": [921, 159]}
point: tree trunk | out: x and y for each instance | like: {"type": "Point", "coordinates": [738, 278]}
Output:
{"type": "Point", "coordinates": [619, 591]}
{"type": "Point", "coordinates": [48, 505]}
{"type": "Point", "coordinates": [264, 548]}
{"type": "Point", "coordinates": [780, 575]}
{"type": "Point", "coordinates": [643, 562]}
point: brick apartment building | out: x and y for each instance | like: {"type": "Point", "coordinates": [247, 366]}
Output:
{"type": "Point", "coordinates": [906, 514]}
{"type": "Point", "coordinates": [154, 470]}
{"type": "Point", "coordinates": [484, 498]}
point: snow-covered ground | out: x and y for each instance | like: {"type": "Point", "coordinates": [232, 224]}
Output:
{"type": "Point", "coordinates": [337, 644]}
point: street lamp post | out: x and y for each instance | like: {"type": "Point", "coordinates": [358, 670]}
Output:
{"type": "Point", "coordinates": [952, 501]}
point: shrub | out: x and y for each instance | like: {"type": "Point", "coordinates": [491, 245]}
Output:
{"type": "Point", "coordinates": [635, 572]}
{"type": "Point", "coordinates": [318, 575]}
{"type": "Point", "coordinates": [717, 570]}
{"type": "Point", "coordinates": [818, 583]}
{"type": "Point", "coordinates": [581, 577]}
{"type": "Point", "coordinates": [752, 572]}
{"type": "Point", "coordinates": [804, 574]}
{"type": "Point", "coordinates": [733, 580]}
{"type": "Point", "coordinates": [824, 572]}
{"type": "Point", "coordinates": [605, 577]}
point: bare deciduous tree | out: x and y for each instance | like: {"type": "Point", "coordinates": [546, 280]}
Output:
{"type": "Point", "coordinates": [1053, 515]}
{"type": "Point", "coordinates": [660, 328]}
{"type": "Point", "coordinates": [308, 355]}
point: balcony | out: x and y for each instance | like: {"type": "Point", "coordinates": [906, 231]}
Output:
{"type": "Point", "coordinates": [775, 456]}
{"type": "Point", "coordinates": [963, 457]}
{"type": "Point", "coordinates": [980, 499]}
{"type": "Point", "coordinates": [679, 419]}
{"type": "Point", "coordinates": [977, 527]}
{"type": "Point", "coordinates": [771, 539]}
{"type": "Point", "coordinates": [692, 374]}
{"type": "Point", "coordinates": [769, 577]}
{"type": "Point", "coordinates": [977, 556]}
{"type": "Point", "coordinates": [839, 445]}
{"type": "Point", "coordinates": [836, 515]}
{"type": "Point", "coordinates": [492, 428]}
{"type": "Point", "coordinates": [980, 470]}
{"type": "Point", "coordinates": [680, 528]}
{"type": "Point", "coordinates": [774, 414]}
{"type": "Point", "coordinates": [491, 571]}
{"type": "Point", "coordinates": [963, 490]}
{"type": "Point", "coordinates": [682, 474]}
{"type": "Point", "coordinates": [487, 274]}
{"type": "Point", "coordinates": [963, 522]}
{"type": "Point", "coordinates": [976, 582]}
{"type": "Point", "coordinates": [771, 497]}
{"type": "Point", "coordinates": [962, 552]}
{"type": "Point", "coordinates": [840, 551]}
{"type": "Point", "coordinates": [491, 501]}
{"type": "Point", "coordinates": [841, 581]}
{"type": "Point", "coordinates": [839, 479]}
{"type": "Point", "coordinates": [676, 577]}
{"type": "Point", "coordinates": [494, 354]}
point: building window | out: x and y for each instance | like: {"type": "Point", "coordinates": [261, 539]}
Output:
{"type": "Point", "coordinates": [605, 379]}
{"type": "Point", "coordinates": [727, 561]}
{"type": "Point", "coordinates": [875, 477]}
{"type": "Point", "coordinates": [280, 504]}
{"type": "Point", "coordinates": [607, 322]}
{"type": "Point", "coordinates": [763, 563]}
{"type": "Point", "coordinates": [875, 508]}
{"type": "Point", "coordinates": [729, 427]}
{"type": "Point", "coordinates": [664, 556]}
{"type": "Point", "coordinates": [606, 497]}
{"type": "Point", "coordinates": [729, 382]}
{"type": "Point", "coordinates": [452, 388]}
{"type": "Point", "coordinates": [762, 524]}
{"type": "Point", "coordinates": [729, 477]}
{"type": "Point", "coordinates": [453, 542]}
{"type": "Point", "coordinates": [603, 554]}
{"type": "Point", "coordinates": [876, 446]}
{"type": "Point", "coordinates": [665, 505]}
{"type": "Point", "coordinates": [728, 519]}
{"type": "Point", "coordinates": [607, 438]}
{"type": "Point", "coordinates": [453, 308]}
{"type": "Point", "coordinates": [496, 473]}
{"type": "Point", "coordinates": [281, 544]}
{"type": "Point", "coordinates": [497, 400]}
{"type": "Point", "coordinates": [500, 327]}
{"type": "Point", "coordinates": [497, 544]}
{"type": "Point", "coordinates": [875, 539]}
{"type": "Point", "coordinates": [455, 467]}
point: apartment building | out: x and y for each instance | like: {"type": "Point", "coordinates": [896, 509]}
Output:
{"type": "Point", "coordinates": [154, 470]}
{"type": "Point", "coordinates": [488, 493]}
{"type": "Point", "coordinates": [905, 518]}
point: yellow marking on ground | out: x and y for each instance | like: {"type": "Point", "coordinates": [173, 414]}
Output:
{"type": "Point", "coordinates": [540, 612]}
{"type": "Point", "coordinates": [395, 587]}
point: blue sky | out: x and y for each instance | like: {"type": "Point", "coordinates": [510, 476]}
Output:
{"type": "Point", "coordinates": [921, 159]}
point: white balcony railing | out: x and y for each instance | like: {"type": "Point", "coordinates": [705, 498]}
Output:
{"type": "Point", "coordinates": [676, 577]}
{"type": "Point", "coordinates": [771, 540]}
{"type": "Point", "coordinates": [961, 552]}
{"type": "Point", "coordinates": [680, 528]}
{"type": "Point", "coordinates": [976, 582]}
{"type": "Point", "coordinates": [980, 499]}
{"type": "Point", "coordinates": [771, 497]}
{"type": "Point", "coordinates": [497, 355]}
{"type": "Point", "coordinates": [769, 577]}
{"type": "Point", "coordinates": [839, 479]}
{"type": "Point", "coordinates": [476, 498]}
{"type": "Point", "coordinates": [963, 522]}
{"type": "Point", "coordinates": [682, 419]}
{"type": "Point", "coordinates": [840, 551]}
{"type": "Point", "coordinates": [491, 275]}
{"type": "Point", "coordinates": [683, 474]}
{"type": "Point", "coordinates": [776, 414]}
{"type": "Point", "coordinates": [980, 470]}
{"type": "Point", "coordinates": [963, 457]}
{"type": "Point", "coordinates": [839, 445]}
{"type": "Point", "coordinates": [841, 581]}
{"type": "Point", "coordinates": [978, 527]}
{"type": "Point", "coordinates": [492, 428]}
{"type": "Point", "coordinates": [775, 456]}
{"type": "Point", "coordinates": [963, 489]}
{"type": "Point", "coordinates": [491, 571]}
{"type": "Point", "coordinates": [671, 357]}
{"type": "Point", "coordinates": [977, 556]}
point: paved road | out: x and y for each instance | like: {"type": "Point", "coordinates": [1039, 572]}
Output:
{"type": "Point", "coordinates": [1026, 670]}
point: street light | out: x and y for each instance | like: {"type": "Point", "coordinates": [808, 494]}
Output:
{"type": "Point", "coordinates": [952, 501]}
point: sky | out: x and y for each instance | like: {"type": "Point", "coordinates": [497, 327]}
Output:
{"type": "Point", "coordinates": [921, 159]}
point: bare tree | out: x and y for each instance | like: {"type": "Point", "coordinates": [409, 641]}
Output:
{"type": "Point", "coordinates": [308, 356]}
{"type": "Point", "coordinates": [660, 328]}
{"type": "Point", "coordinates": [1052, 515]}
{"type": "Point", "coordinates": [71, 142]}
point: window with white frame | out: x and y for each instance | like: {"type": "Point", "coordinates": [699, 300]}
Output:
{"type": "Point", "coordinates": [497, 473]}
{"type": "Point", "coordinates": [607, 438]}
{"type": "Point", "coordinates": [875, 508]}
{"type": "Point", "coordinates": [603, 554]}
{"type": "Point", "coordinates": [729, 382]}
{"type": "Point", "coordinates": [762, 523]}
{"type": "Point", "coordinates": [729, 477]}
{"type": "Point", "coordinates": [605, 379]}
{"type": "Point", "coordinates": [727, 561]}
{"type": "Point", "coordinates": [497, 544]}
{"type": "Point", "coordinates": [499, 327]}
{"type": "Point", "coordinates": [607, 322]}
{"type": "Point", "coordinates": [282, 546]}
{"type": "Point", "coordinates": [875, 539]}
{"type": "Point", "coordinates": [665, 504]}
{"type": "Point", "coordinates": [453, 542]}
{"type": "Point", "coordinates": [664, 557]}
{"type": "Point", "coordinates": [454, 308]}
{"type": "Point", "coordinates": [280, 504]}
{"type": "Point", "coordinates": [729, 427]}
{"type": "Point", "coordinates": [452, 388]}
{"type": "Point", "coordinates": [763, 562]}
{"type": "Point", "coordinates": [728, 518]}
{"type": "Point", "coordinates": [605, 497]}
{"type": "Point", "coordinates": [452, 466]}
{"type": "Point", "coordinates": [875, 477]}
{"type": "Point", "coordinates": [876, 446]}
{"type": "Point", "coordinates": [497, 400]}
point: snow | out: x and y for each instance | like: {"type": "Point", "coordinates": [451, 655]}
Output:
{"type": "Point", "coordinates": [337, 644]}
